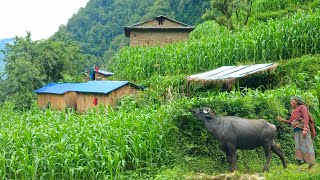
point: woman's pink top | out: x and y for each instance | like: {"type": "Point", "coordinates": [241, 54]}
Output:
{"type": "Point", "coordinates": [300, 112]}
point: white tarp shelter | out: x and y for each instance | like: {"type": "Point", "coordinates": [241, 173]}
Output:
{"type": "Point", "coordinates": [231, 72]}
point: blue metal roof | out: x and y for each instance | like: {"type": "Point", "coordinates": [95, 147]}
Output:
{"type": "Point", "coordinates": [56, 88]}
{"type": "Point", "coordinates": [103, 87]}
{"type": "Point", "coordinates": [106, 73]}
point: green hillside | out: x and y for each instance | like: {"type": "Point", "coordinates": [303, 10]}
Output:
{"type": "Point", "coordinates": [99, 26]}
{"type": "Point", "coordinates": [153, 135]}
{"type": "Point", "coordinates": [211, 46]}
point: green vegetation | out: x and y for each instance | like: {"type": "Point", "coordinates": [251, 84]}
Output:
{"type": "Point", "coordinates": [31, 64]}
{"type": "Point", "coordinates": [293, 172]}
{"type": "Point", "coordinates": [232, 14]}
{"type": "Point", "coordinates": [264, 42]}
{"type": "Point", "coordinates": [57, 145]}
{"type": "Point", "coordinates": [276, 5]}
{"type": "Point", "coordinates": [264, 10]}
{"type": "Point", "coordinates": [235, 14]}
{"type": "Point", "coordinates": [98, 27]}
{"type": "Point", "coordinates": [153, 135]}
{"type": "Point", "coordinates": [3, 43]}
{"type": "Point", "coordinates": [135, 139]}
{"type": "Point", "coordinates": [306, 64]}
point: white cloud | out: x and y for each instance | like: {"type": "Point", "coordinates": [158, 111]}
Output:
{"type": "Point", "coordinates": [41, 17]}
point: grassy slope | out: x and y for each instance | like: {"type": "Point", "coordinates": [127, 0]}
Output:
{"type": "Point", "coordinates": [192, 167]}
{"type": "Point", "coordinates": [293, 172]}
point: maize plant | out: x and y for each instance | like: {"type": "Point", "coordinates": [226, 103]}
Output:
{"type": "Point", "coordinates": [98, 145]}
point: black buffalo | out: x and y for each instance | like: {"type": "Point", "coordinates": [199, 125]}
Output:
{"type": "Point", "coordinates": [235, 133]}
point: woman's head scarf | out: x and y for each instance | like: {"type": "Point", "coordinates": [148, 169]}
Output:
{"type": "Point", "coordinates": [298, 99]}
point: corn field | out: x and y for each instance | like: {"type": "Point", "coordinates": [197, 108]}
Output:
{"type": "Point", "coordinates": [209, 48]}
{"type": "Point", "coordinates": [58, 145]}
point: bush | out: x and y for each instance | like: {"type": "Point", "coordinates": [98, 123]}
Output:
{"type": "Point", "coordinates": [309, 64]}
{"type": "Point", "coordinates": [265, 16]}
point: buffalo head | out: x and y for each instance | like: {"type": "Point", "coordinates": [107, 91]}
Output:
{"type": "Point", "coordinates": [202, 113]}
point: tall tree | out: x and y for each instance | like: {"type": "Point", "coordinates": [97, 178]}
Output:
{"type": "Point", "coordinates": [22, 72]}
{"type": "Point", "coordinates": [31, 64]}
{"type": "Point", "coordinates": [230, 13]}
{"type": "Point", "coordinates": [160, 7]}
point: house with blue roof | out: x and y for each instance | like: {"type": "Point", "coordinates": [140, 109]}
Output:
{"type": "Point", "coordinates": [93, 93]}
{"type": "Point", "coordinates": [83, 96]}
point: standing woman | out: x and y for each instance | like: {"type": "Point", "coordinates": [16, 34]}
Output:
{"type": "Point", "coordinates": [299, 121]}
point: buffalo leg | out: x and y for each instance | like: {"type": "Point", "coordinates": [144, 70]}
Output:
{"type": "Point", "coordinates": [267, 151]}
{"type": "Point", "coordinates": [232, 158]}
{"type": "Point", "coordinates": [280, 154]}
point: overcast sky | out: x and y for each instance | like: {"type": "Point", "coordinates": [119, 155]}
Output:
{"type": "Point", "coordinates": [41, 17]}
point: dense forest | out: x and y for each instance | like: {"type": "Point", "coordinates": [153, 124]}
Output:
{"type": "Point", "coordinates": [153, 135]}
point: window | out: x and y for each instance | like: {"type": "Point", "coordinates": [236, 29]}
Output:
{"type": "Point", "coordinates": [145, 42]}
{"type": "Point", "coordinates": [160, 21]}
{"type": "Point", "coordinates": [168, 41]}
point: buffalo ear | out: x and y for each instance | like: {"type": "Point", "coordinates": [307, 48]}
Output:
{"type": "Point", "coordinates": [208, 116]}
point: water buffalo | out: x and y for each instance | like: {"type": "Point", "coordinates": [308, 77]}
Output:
{"type": "Point", "coordinates": [235, 133]}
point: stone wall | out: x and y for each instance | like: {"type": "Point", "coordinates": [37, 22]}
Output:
{"type": "Point", "coordinates": [141, 38]}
